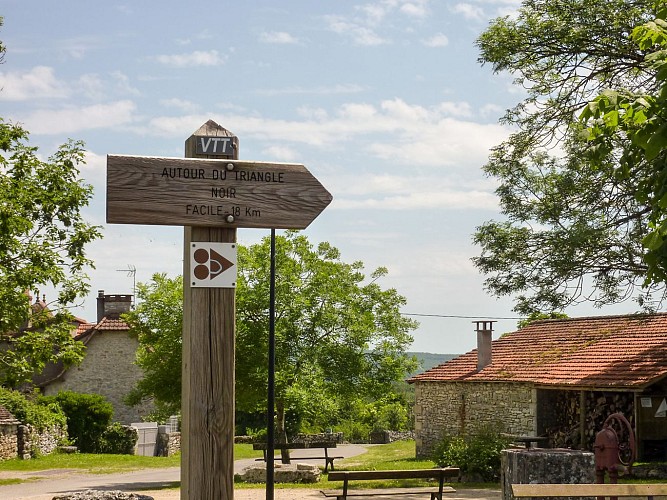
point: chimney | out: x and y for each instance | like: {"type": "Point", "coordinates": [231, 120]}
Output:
{"type": "Point", "coordinates": [112, 306]}
{"type": "Point", "coordinates": [484, 331]}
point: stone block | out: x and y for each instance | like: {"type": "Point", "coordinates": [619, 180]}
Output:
{"type": "Point", "coordinates": [545, 465]}
{"type": "Point", "coordinates": [102, 495]}
{"type": "Point", "coordinates": [283, 473]}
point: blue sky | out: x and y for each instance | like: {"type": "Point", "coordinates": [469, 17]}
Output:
{"type": "Point", "coordinates": [383, 101]}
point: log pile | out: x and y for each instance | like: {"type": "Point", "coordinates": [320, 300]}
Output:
{"type": "Point", "coordinates": [599, 405]}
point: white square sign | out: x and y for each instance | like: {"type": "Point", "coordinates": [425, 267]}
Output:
{"type": "Point", "coordinates": [213, 265]}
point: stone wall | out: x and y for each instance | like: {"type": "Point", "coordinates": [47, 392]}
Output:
{"type": "Point", "coordinates": [318, 438]}
{"type": "Point", "coordinates": [8, 441]}
{"type": "Point", "coordinates": [108, 369]}
{"type": "Point", "coordinates": [456, 407]}
{"type": "Point", "coordinates": [168, 443]}
{"type": "Point", "coordinates": [31, 443]}
{"type": "Point", "coordinates": [537, 466]}
{"type": "Point", "coordinates": [386, 437]}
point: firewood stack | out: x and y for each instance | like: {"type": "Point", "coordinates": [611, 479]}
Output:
{"type": "Point", "coordinates": [599, 405]}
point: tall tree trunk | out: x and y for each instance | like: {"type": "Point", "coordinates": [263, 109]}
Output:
{"type": "Point", "coordinates": [282, 432]}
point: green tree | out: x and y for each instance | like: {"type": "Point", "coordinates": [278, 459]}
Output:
{"type": "Point", "coordinates": [630, 126]}
{"type": "Point", "coordinates": [42, 243]}
{"type": "Point", "coordinates": [338, 334]}
{"type": "Point", "coordinates": [337, 331]}
{"type": "Point", "coordinates": [158, 323]}
{"type": "Point", "coordinates": [570, 232]}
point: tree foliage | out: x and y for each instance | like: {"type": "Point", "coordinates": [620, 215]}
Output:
{"type": "Point", "coordinates": [570, 232]}
{"type": "Point", "coordinates": [42, 244]}
{"type": "Point", "coordinates": [158, 324]}
{"type": "Point", "coordinates": [338, 333]}
{"type": "Point", "coordinates": [630, 126]}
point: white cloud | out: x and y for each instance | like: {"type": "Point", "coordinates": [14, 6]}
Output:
{"type": "Point", "coordinates": [415, 8]}
{"type": "Point", "coordinates": [74, 119]}
{"type": "Point", "coordinates": [414, 200]}
{"type": "Point", "coordinates": [311, 113]}
{"type": "Point", "coordinates": [122, 83]}
{"type": "Point", "coordinates": [182, 104]}
{"type": "Point", "coordinates": [437, 40]}
{"type": "Point", "coordinates": [341, 88]}
{"type": "Point", "coordinates": [38, 83]}
{"type": "Point", "coordinates": [440, 135]}
{"type": "Point", "coordinates": [408, 190]}
{"type": "Point", "coordinates": [277, 37]}
{"type": "Point", "coordinates": [196, 58]}
{"type": "Point", "coordinates": [460, 109]}
{"type": "Point", "coordinates": [280, 153]}
{"type": "Point", "coordinates": [358, 33]}
{"type": "Point", "coordinates": [469, 11]}
{"type": "Point", "coordinates": [92, 86]}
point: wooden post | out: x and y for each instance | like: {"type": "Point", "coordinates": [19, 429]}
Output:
{"type": "Point", "coordinates": [207, 462]}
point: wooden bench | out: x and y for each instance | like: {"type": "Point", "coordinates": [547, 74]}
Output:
{"type": "Point", "coordinates": [324, 445]}
{"type": "Point", "coordinates": [352, 475]}
{"type": "Point", "coordinates": [589, 490]}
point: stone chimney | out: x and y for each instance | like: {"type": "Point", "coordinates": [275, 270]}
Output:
{"type": "Point", "coordinates": [112, 306]}
{"type": "Point", "coordinates": [484, 331]}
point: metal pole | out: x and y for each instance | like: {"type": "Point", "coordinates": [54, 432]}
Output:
{"type": "Point", "coordinates": [270, 426]}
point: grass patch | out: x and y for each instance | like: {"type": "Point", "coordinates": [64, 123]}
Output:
{"type": "Point", "coordinates": [106, 464]}
{"type": "Point", "coordinates": [4, 482]}
{"type": "Point", "coordinates": [89, 462]}
{"type": "Point", "coordinates": [399, 455]}
{"type": "Point", "coordinates": [242, 451]}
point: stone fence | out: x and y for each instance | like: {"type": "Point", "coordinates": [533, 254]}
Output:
{"type": "Point", "coordinates": [168, 443]}
{"type": "Point", "coordinates": [32, 443]}
{"type": "Point", "coordinates": [386, 437]}
{"type": "Point", "coordinates": [24, 441]}
{"type": "Point", "coordinates": [337, 437]}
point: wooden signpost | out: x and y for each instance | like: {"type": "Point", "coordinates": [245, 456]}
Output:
{"type": "Point", "coordinates": [213, 193]}
{"type": "Point", "coordinates": [210, 197]}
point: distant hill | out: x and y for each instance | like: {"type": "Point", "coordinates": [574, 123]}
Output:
{"type": "Point", "coordinates": [428, 360]}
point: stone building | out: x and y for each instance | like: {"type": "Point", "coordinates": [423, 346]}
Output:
{"type": "Point", "coordinates": [559, 379]}
{"type": "Point", "coordinates": [108, 367]}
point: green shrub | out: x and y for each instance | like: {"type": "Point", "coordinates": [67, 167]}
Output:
{"type": "Point", "coordinates": [42, 415]}
{"type": "Point", "coordinates": [475, 454]}
{"type": "Point", "coordinates": [118, 439]}
{"type": "Point", "coordinates": [391, 416]}
{"type": "Point", "coordinates": [88, 416]}
{"type": "Point", "coordinates": [354, 431]}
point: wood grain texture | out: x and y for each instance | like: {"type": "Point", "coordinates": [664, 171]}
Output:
{"type": "Point", "coordinates": [207, 463]}
{"type": "Point", "coordinates": [203, 192]}
{"type": "Point", "coordinates": [589, 490]}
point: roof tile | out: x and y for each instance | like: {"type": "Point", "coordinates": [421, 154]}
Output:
{"type": "Point", "coordinates": [608, 351]}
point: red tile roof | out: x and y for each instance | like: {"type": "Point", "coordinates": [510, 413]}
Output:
{"type": "Point", "coordinates": [112, 324]}
{"type": "Point", "coordinates": [621, 352]}
{"type": "Point", "coordinates": [7, 418]}
{"type": "Point", "coordinates": [81, 328]}
{"type": "Point", "coordinates": [106, 324]}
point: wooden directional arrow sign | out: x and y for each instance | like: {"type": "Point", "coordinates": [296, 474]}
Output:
{"type": "Point", "coordinates": [205, 192]}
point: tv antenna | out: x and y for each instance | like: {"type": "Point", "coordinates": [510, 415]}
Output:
{"type": "Point", "coordinates": [131, 273]}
